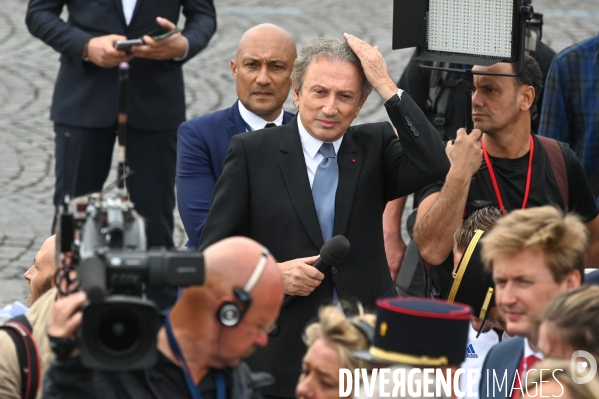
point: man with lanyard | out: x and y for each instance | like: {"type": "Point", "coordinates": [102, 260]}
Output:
{"type": "Point", "coordinates": [262, 70]}
{"type": "Point", "coordinates": [205, 335]}
{"type": "Point", "coordinates": [500, 164]}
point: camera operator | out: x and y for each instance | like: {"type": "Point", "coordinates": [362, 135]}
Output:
{"type": "Point", "coordinates": [200, 345]}
{"type": "Point", "coordinates": [16, 377]}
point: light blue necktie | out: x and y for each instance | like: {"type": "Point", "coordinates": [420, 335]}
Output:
{"type": "Point", "coordinates": [324, 189]}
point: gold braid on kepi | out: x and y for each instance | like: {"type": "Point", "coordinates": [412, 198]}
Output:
{"type": "Point", "coordinates": [464, 264]}
{"type": "Point", "coordinates": [473, 284]}
{"type": "Point", "coordinates": [407, 331]}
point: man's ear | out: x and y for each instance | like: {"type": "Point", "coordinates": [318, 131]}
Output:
{"type": "Point", "coordinates": [360, 104]}
{"type": "Point", "coordinates": [573, 280]}
{"type": "Point", "coordinates": [296, 96]}
{"type": "Point", "coordinates": [528, 97]}
{"type": "Point", "coordinates": [234, 69]}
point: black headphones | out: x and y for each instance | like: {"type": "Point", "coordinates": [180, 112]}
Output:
{"type": "Point", "coordinates": [229, 314]}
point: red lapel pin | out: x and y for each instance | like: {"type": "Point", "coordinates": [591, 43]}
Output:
{"type": "Point", "coordinates": [353, 161]}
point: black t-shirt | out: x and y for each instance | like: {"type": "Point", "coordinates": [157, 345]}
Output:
{"type": "Point", "coordinates": [67, 378]}
{"type": "Point", "coordinates": [511, 179]}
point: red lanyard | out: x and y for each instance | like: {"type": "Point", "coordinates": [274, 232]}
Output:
{"type": "Point", "coordinates": [494, 180]}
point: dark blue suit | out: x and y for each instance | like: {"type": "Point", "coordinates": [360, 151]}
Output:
{"type": "Point", "coordinates": [503, 357]}
{"type": "Point", "coordinates": [203, 145]}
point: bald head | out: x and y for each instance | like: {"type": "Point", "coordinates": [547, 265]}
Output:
{"type": "Point", "coordinates": [262, 32]}
{"type": "Point", "coordinates": [231, 262]}
{"type": "Point", "coordinates": [262, 69]}
{"type": "Point", "coordinates": [40, 276]}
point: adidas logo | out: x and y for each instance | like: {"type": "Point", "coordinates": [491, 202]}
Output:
{"type": "Point", "coordinates": [470, 353]}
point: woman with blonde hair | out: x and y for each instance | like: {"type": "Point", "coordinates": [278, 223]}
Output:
{"type": "Point", "coordinates": [556, 381]}
{"type": "Point", "coordinates": [331, 341]}
{"type": "Point", "coordinates": [571, 323]}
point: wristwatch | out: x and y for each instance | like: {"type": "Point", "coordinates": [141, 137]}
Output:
{"type": "Point", "coordinates": [394, 99]}
{"type": "Point", "coordinates": [62, 346]}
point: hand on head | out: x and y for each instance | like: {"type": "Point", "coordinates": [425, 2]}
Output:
{"type": "Point", "coordinates": [374, 65]}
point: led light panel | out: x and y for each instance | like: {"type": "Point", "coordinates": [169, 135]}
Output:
{"type": "Point", "coordinates": [479, 27]}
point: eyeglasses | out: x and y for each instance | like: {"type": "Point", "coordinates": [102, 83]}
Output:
{"type": "Point", "coordinates": [270, 327]}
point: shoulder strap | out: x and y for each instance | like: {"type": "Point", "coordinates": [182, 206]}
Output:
{"type": "Point", "coordinates": [20, 330]}
{"type": "Point", "coordinates": [438, 96]}
{"type": "Point", "coordinates": [558, 167]}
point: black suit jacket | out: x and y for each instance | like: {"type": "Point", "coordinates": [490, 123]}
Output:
{"type": "Point", "coordinates": [264, 193]}
{"type": "Point", "coordinates": [85, 95]}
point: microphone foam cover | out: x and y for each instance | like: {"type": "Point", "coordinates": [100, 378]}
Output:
{"type": "Point", "coordinates": [333, 252]}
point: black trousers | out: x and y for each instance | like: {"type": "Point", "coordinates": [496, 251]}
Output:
{"type": "Point", "coordinates": [151, 155]}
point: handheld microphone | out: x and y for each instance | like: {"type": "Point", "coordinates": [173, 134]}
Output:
{"type": "Point", "coordinates": [122, 121]}
{"type": "Point", "coordinates": [331, 254]}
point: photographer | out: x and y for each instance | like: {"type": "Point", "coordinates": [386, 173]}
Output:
{"type": "Point", "coordinates": [200, 345]}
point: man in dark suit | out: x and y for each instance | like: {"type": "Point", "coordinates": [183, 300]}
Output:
{"type": "Point", "coordinates": [262, 70]}
{"type": "Point", "coordinates": [535, 255]}
{"type": "Point", "coordinates": [293, 187]}
{"type": "Point", "coordinates": [85, 95]}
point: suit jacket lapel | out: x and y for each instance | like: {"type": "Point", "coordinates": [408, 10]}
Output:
{"type": "Point", "coordinates": [236, 124]}
{"type": "Point", "coordinates": [136, 10]}
{"type": "Point", "coordinates": [293, 168]}
{"type": "Point", "coordinates": [513, 364]}
{"type": "Point", "coordinates": [350, 164]}
{"type": "Point", "coordinates": [119, 7]}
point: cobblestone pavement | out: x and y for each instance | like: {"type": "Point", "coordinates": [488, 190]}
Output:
{"type": "Point", "coordinates": [28, 69]}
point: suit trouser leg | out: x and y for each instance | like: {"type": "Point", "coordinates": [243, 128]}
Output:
{"type": "Point", "coordinates": [89, 158]}
{"type": "Point", "coordinates": [152, 157]}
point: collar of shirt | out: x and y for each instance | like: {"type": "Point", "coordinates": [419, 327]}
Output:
{"type": "Point", "coordinates": [254, 120]}
{"type": "Point", "coordinates": [311, 145]}
{"type": "Point", "coordinates": [128, 8]}
{"type": "Point", "coordinates": [529, 352]}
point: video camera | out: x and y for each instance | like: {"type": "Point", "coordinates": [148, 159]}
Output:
{"type": "Point", "coordinates": [108, 253]}
{"type": "Point", "coordinates": [103, 251]}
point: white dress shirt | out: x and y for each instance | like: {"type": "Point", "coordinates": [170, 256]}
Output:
{"type": "Point", "coordinates": [311, 145]}
{"type": "Point", "coordinates": [128, 7]}
{"type": "Point", "coordinates": [255, 122]}
{"type": "Point", "coordinates": [529, 352]}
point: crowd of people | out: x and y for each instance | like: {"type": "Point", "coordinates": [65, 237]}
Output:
{"type": "Point", "coordinates": [505, 233]}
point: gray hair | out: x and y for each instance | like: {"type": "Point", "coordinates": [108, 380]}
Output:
{"type": "Point", "coordinates": [333, 49]}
